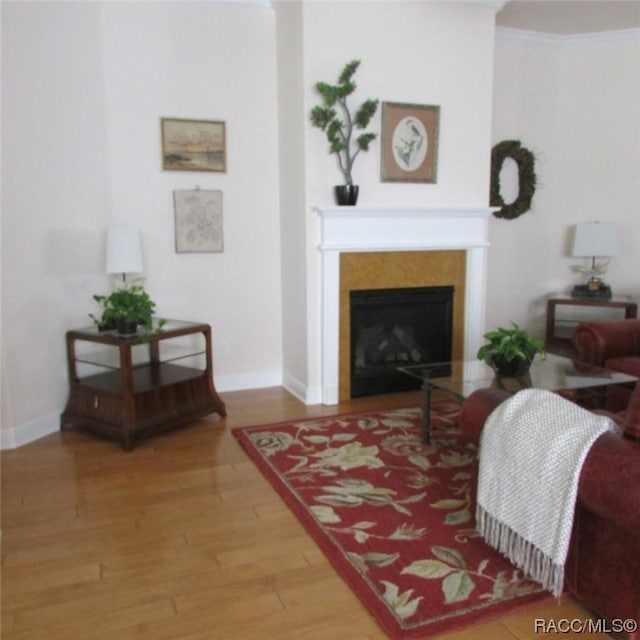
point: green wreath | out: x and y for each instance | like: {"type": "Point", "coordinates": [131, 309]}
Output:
{"type": "Point", "coordinates": [526, 178]}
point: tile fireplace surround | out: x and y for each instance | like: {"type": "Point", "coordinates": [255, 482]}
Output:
{"type": "Point", "coordinates": [399, 228]}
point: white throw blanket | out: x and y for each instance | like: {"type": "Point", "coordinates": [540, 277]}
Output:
{"type": "Point", "coordinates": [531, 453]}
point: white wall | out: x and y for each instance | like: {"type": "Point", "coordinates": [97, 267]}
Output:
{"type": "Point", "coordinates": [292, 127]}
{"type": "Point", "coordinates": [81, 113]}
{"type": "Point", "coordinates": [414, 52]}
{"type": "Point", "coordinates": [82, 103]}
{"type": "Point", "coordinates": [574, 102]}
{"type": "Point", "coordinates": [55, 199]}
{"type": "Point", "coordinates": [411, 52]}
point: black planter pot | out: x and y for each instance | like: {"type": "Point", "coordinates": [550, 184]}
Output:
{"type": "Point", "coordinates": [126, 327]}
{"type": "Point", "coordinates": [511, 368]}
{"type": "Point", "coordinates": [346, 194]}
{"type": "Point", "coordinates": [107, 325]}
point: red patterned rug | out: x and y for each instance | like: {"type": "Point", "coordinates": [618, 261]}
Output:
{"type": "Point", "coordinates": [394, 516]}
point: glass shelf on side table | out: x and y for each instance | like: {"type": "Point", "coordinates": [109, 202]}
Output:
{"type": "Point", "coordinates": [129, 386]}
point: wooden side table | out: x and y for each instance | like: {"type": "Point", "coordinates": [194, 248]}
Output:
{"type": "Point", "coordinates": [564, 313]}
{"type": "Point", "coordinates": [137, 386]}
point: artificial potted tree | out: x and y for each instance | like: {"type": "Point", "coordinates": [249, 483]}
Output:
{"type": "Point", "coordinates": [338, 122]}
{"type": "Point", "coordinates": [510, 352]}
{"type": "Point", "coordinates": [125, 309]}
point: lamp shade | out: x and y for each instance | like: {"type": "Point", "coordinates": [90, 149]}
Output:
{"type": "Point", "coordinates": [124, 250]}
{"type": "Point", "coordinates": [595, 239]}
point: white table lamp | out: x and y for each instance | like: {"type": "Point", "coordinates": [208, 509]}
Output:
{"type": "Point", "coordinates": [124, 250]}
{"type": "Point", "coordinates": [594, 240]}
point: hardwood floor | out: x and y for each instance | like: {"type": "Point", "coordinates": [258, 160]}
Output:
{"type": "Point", "coordinates": [182, 539]}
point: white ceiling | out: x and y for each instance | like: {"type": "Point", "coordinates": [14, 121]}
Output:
{"type": "Point", "coordinates": [566, 17]}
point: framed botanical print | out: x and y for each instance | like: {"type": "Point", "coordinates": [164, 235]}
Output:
{"type": "Point", "coordinates": [198, 221]}
{"type": "Point", "coordinates": [409, 142]}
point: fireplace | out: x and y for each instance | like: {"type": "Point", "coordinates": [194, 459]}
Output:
{"type": "Point", "coordinates": [395, 327]}
{"type": "Point", "coordinates": [379, 234]}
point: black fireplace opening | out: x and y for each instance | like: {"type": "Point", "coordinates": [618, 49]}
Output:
{"type": "Point", "coordinates": [391, 328]}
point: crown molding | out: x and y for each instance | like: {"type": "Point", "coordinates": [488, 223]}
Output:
{"type": "Point", "coordinates": [496, 5]}
{"type": "Point", "coordinates": [264, 4]}
{"type": "Point", "coordinates": [579, 39]}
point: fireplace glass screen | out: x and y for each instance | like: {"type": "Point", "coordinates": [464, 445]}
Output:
{"type": "Point", "coordinates": [395, 327]}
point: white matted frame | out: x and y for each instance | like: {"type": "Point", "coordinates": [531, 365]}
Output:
{"type": "Point", "coordinates": [198, 221]}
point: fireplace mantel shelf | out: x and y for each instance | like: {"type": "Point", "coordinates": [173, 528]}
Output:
{"type": "Point", "coordinates": [403, 228]}
{"type": "Point", "coordinates": [404, 211]}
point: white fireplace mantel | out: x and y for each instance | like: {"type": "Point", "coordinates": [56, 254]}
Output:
{"type": "Point", "coordinates": [399, 228]}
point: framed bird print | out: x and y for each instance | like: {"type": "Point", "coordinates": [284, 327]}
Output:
{"type": "Point", "coordinates": [409, 142]}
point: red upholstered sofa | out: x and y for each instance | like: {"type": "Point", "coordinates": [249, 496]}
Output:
{"type": "Point", "coordinates": [603, 565]}
{"type": "Point", "coordinates": [614, 345]}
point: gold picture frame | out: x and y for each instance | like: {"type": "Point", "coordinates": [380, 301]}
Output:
{"type": "Point", "coordinates": [193, 145]}
{"type": "Point", "coordinates": [409, 142]}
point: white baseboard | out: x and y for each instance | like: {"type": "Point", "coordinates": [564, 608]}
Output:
{"type": "Point", "coordinates": [15, 437]}
{"type": "Point", "coordinates": [308, 395]}
{"type": "Point", "coordinates": [248, 381]}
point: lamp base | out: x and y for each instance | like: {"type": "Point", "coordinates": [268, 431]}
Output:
{"type": "Point", "coordinates": [603, 292]}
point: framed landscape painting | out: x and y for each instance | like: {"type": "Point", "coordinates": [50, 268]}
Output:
{"type": "Point", "coordinates": [193, 145]}
{"type": "Point", "coordinates": [409, 142]}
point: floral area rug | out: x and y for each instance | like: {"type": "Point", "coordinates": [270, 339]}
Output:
{"type": "Point", "coordinates": [394, 516]}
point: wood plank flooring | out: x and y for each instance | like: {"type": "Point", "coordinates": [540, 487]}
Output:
{"type": "Point", "coordinates": [182, 539]}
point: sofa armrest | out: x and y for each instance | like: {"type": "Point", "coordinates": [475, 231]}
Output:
{"type": "Point", "coordinates": [595, 342]}
{"type": "Point", "coordinates": [631, 423]}
{"type": "Point", "coordinates": [476, 409]}
{"type": "Point", "coordinates": [628, 421]}
{"type": "Point", "coordinates": [610, 481]}
{"type": "Point", "coordinates": [610, 476]}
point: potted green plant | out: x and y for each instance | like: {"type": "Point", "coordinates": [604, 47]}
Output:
{"type": "Point", "coordinates": [338, 122]}
{"type": "Point", "coordinates": [509, 352]}
{"type": "Point", "coordinates": [124, 309]}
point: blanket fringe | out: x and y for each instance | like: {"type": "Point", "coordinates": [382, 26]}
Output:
{"type": "Point", "coordinates": [522, 553]}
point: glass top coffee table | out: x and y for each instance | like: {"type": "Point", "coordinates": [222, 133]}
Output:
{"type": "Point", "coordinates": [462, 378]}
